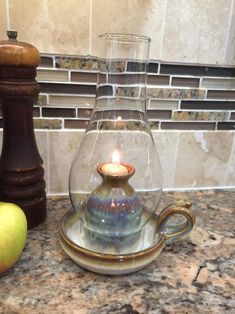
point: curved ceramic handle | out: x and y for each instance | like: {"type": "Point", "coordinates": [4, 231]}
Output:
{"type": "Point", "coordinates": [173, 233]}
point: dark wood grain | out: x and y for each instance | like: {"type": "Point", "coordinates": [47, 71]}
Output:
{"type": "Point", "coordinates": [21, 166]}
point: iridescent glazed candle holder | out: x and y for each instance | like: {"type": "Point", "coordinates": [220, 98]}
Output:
{"type": "Point", "coordinates": [113, 212]}
{"type": "Point", "coordinates": [152, 240]}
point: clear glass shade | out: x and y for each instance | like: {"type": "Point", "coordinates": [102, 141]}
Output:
{"type": "Point", "coordinates": [115, 178]}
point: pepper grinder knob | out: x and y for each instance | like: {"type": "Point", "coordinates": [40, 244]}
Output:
{"type": "Point", "coordinates": [12, 35]}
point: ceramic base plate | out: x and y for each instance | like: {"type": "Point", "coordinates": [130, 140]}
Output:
{"type": "Point", "coordinates": [73, 243]}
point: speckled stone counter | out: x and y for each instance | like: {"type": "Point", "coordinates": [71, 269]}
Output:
{"type": "Point", "coordinates": [194, 275]}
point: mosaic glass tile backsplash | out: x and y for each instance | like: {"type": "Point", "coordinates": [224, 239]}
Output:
{"type": "Point", "coordinates": [191, 111]}
{"type": "Point", "coordinates": [179, 96]}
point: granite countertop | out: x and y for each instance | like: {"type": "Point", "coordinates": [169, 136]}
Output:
{"type": "Point", "coordinates": [194, 275]}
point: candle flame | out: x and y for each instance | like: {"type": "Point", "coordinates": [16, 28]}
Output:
{"type": "Point", "coordinates": [116, 157]}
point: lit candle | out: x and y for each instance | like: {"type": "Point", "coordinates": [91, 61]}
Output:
{"type": "Point", "coordinates": [114, 168]}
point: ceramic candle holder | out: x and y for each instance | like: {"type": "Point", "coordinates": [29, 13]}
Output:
{"type": "Point", "coordinates": [153, 238]}
{"type": "Point", "coordinates": [113, 211]}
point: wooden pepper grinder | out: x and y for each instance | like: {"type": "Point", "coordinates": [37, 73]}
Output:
{"type": "Point", "coordinates": [21, 171]}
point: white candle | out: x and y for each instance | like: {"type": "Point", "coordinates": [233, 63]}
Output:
{"type": "Point", "coordinates": [114, 169]}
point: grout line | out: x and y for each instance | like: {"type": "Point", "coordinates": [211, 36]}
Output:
{"type": "Point", "coordinates": [68, 94]}
{"type": "Point", "coordinates": [54, 62]}
{"type": "Point", "coordinates": [200, 110]}
{"type": "Point", "coordinates": [170, 80]}
{"type": "Point", "coordinates": [57, 130]}
{"type": "Point", "coordinates": [179, 105]}
{"type": "Point", "coordinates": [52, 70]}
{"type": "Point", "coordinates": [228, 30]}
{"type": "Point", "coordinates": [8, 24]}
{"type": "Point", "coordinates": [230, 159]}
{"type": "Point", "coordinates": [206, 188]}
{"type": "Point", "coordinates": [69, 76]}
{"type": "Point", "coordinates": [200, 188]}
{"type": "Point", "coordinates": [48, 164]}
{"type": "Point", "coordinates": [90, 28]}
{"type": "Point", "coordinates": [67, 82]}
{"type": "Point", "coordinates": [47, 99]}
{"type": "Point", "coordinates": [148, 104]}
{"type": "Point", "coordinates": [176, 157]}
{"type": "Point", "coordinates": [158, 70]}
{"type": "Point", "coordinates": [163, 29]}
{"type": "Point", "coordinates": [200, 82]}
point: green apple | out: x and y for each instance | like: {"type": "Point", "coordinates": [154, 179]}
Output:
{"type": "Point", "coordinates": [13, 233]}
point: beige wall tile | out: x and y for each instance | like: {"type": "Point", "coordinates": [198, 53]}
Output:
{"type": "Point", "coordinates": [195, 30]}
{"type": "Point", "coordinates": [3, 20]}
{"type": "Point", "coordinates": [231, 167]}
{"type": "Point", "coordinates": [202, 159]}
{"type": "Point", "coordinates": [190, 27]}
{"type": "Point", "coordinates": [42, 144]}
{"type": "Point", "coordinates": [167, 145]}
{"type": "Point", "coordinates": [52, 26]}
{"type": "Point", "coordinates": [128, 16]}
{"type": "Point", "coordinates": [62, 148]}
